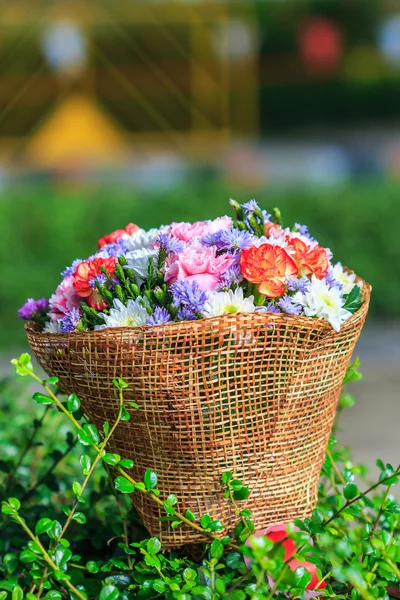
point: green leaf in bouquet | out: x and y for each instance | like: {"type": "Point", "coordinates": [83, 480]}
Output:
{"type": "Point", "coordinates": [353, 300]}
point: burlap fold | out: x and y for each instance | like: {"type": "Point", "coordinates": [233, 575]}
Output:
{"type": "Point", "coordinates": [255, 394]}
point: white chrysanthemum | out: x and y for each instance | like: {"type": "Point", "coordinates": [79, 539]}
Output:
{"type": "Point", "coordinates": [52, 327]}
{"type": "Point", "coordinates": [280, 241]}
{"type": "Point", "coordinates": [323, 302]}
{"type": "Point", "coordinates": [220, 303]}
{"type": "Point", "coordinates": [132, 315]}
{"type": "Point", "coordinates": [141, 239]}
{"type": "Point", "coordinates": [138, 261]}
{"type": "Point", "coordinates": [347, 280]}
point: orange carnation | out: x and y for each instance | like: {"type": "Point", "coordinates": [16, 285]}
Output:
{"type": "Point", "coordinates": [117, 234]}
{"type": "Point", "coordinates": [87, 274]}
{"type": "Point", "coordinates": [309, 259]}
{"type": "Point", "coordinates": [269, 266]}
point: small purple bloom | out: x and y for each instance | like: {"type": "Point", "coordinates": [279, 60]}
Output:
{"type": "Point", "coordinates": [71, 320]}
{"type": "Point", "coordinates": [288, 306]}
{"type": "Point", "coordinates": [228, 239]}
{"type": "Point", "coordinates": [160, 316]}
{"type": "Point", "coordinates": [31, 307]}
{"type": "Point", "coordinates": [71, 270]}
{"type": "Point", "coordinates": [303, 230]}
{"type": "Point", "coordinates": [272, 308]}
{"type": "Point", "coordinates": [232, 276]}
{"type": "Point", "coordinates": [295, 284]}
{"type": "Point", "coordinates": [100, 279]}
{"type": "Point", "coordinates": [115, 249]}
{"type": "Point", "coordinates": [331, 281]}
{"type": "Point", "coordinates": [170, 243]}
{"type": "Point", "coordinates": [266, 215]}
{"type": "Point", "coordinates": [187, 295]}
{"type": "Point", "coordinates": [186, 314]}
{"type": "Point", "coordinates": [250, 206]}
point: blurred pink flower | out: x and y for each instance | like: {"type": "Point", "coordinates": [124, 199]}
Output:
{"type": "Point", "coordinates": [278, 533]}
{"type": "Point", "coordinates": [64, 299]}
{"type": "Point", "coordinates": [200, 265]}
{"type": "Point", "coordinates": [187, 231]}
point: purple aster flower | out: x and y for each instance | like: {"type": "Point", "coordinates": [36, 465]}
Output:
{"type": "Point", "coordinates": [228, 239]}
{"type": "Point", "coordinates": [269, 308]}
{"type": "Point", "coordinates": [250, 206]}
{"type": "Point", "coordinates": [71, 270]}
{"type": "Point", "coordinates": [266, 215]}
{"type": "Point", "coordinates": [115, 249]}
{"type": "Point", "coordinates": [295, 284]}
{"type": "Point", "coordinates": [71, 320]}
{"type": "Point", "coordinates": [170, 243]}
{"type": "Point", "coordinates": [187, 294]}
{"type": "Point", "coordinates": [186, 314]}
{"type": "Point", "coordinates": [31, 307]}
{"type": "Point", "coordinates": [288, 306]}
{"type": "Point", "coordinates": [100, 279]}
{"type": "Point", "coordinates": [332, 281]}
{"type": "Point", "coordinates": [232, 276]}
{"type": "Point", "coordinates": [160, 316]}
{"type": "Point", "coordinates": [303, 230]}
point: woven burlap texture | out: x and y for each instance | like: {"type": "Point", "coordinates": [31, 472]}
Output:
{"type": "Point", "coordinates": [254, 394]}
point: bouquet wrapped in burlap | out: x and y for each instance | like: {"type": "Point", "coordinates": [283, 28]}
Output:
{"type": "Point", "coordinates": [233, 337]}
{"type": "Point", "coordinates": [254, 394]}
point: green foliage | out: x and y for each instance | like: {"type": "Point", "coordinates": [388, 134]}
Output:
{"type": "Point", "coordinates": [51, 550]}
{"type": "Point", "coordinates": [359, 223]}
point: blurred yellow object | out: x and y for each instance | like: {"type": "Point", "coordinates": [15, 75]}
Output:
{"type": "Point", "coordinates": [77, 132]}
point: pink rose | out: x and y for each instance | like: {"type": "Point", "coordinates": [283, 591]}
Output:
{"type": "Point", "coordinates": [200, 264]}
{"type": "Point", "coordinates": [64, 299]}
{"type": "Point", "coordinates": [188, 231]}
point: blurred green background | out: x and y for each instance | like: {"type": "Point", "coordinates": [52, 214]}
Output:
{"type": "Point", "coordinates": [158, 111]}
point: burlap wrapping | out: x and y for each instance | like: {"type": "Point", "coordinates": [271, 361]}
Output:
{"type": "Point", "coordinates": [255, 394]}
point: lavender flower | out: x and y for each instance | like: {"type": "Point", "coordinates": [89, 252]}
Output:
{"type": "Point", "coordinates": [31, 306]}
{"type": "Point", "coordinates": [115, 249]}
{"type": "Point", "coordinates": [101, 279]}
{"type": "Point", "coordinates": [298, 285]}
{"type": "Point", "coordinates": [232, 276]}
{"type": "Point", "coordinates": [71, 320]}
{"type": "Point", "coordinates": [269, 308]}
{"type": "Point", "coordinates": [303, 230]}
{"type": "Point", "coordinates": [250, 207]}
{"type": "Point", "coordinates": [160, 316]}
{"type": "Point", "coordinates": [71, 270]}
{"type": "Point", "coordinates": [228, 239]}
{"type": "Point", "coordinates": [186, 314]}
{"type": "Point", "coordinates": [288, 306]}
{"type": "Point", "coordinates": [266, 215]}
{"type": "Point", "coordinates": [170, 243]}
{"type": "Point", "coordinates": [189, 297]}
{"type": "Point", "coordinates": [331, 280]}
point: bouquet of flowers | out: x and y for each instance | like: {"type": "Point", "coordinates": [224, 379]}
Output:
{"type": "Point", "coordinates": [188, 271]}
{"type": "Point", "coordinates": [233, 337]}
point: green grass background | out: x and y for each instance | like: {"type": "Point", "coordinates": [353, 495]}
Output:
{"type": "Point", "coordinates": [42, 230]}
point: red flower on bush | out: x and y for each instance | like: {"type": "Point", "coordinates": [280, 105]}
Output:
{"type": "Point", "coordinates": [269, 266]}
{"type": "Point", "coordinates": [87, 274]}
{"type": "Point", "coordinates": [278, 533]}
{"type": "Point", "coordinates": [114, 236]}
{"type": "Point", "coordinates": [310, 259]}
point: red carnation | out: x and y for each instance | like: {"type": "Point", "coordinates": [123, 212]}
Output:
{"type": "Point", "coordinates": [113, 237]}
{"type": "Point", "coordinates": [87, 274]}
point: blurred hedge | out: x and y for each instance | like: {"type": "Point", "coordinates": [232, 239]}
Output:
{"type": "Point", "coordinates": [43, 230]}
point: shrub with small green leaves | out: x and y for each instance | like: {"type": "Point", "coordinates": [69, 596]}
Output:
{"type": "Point", "coordinates": [68, 529]}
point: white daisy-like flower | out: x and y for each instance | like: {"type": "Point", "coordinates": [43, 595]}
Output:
{"type": "Point", "coordinates": [52, 327]}
{"type": "Point", "coordinates": [323, 302]}
{"type": "Point", "coordinates": [141, 239]}
{"type": "Point", "coordinates": [347, 280]}
{"type": "Point", "coordinates": [138, 261]}
{"type": "Point", "coordinates": [220, 303]}
{"type": "Point", "coordinates": [280, 241]}
{"type": "Point", "coordinates": [133, 314]}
